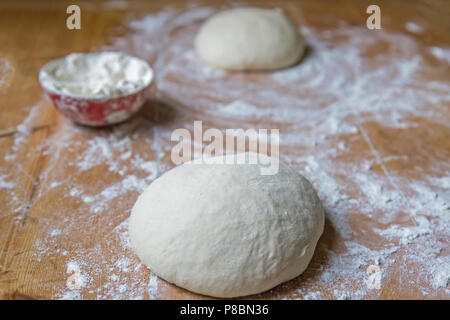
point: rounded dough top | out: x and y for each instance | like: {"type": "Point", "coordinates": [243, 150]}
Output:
{"type": "Point", "coordinates": [226, 230]}
{"type": "Point", "coordinates": [249, 39]}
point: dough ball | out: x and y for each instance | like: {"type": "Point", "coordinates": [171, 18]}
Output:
{"type": "Point", "coordinates": [225, 230]}
{"type": "Point", "coordinates": [249, 39]}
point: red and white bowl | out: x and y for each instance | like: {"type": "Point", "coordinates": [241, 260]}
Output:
{"type": "Point", "coordinates": [93, 110]}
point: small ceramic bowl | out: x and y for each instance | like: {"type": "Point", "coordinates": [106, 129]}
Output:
{"type": "Point", "coordinates": [94, 110]}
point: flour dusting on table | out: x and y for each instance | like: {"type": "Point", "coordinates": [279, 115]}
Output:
{"type": "Point", "coordinates": [6, 70]}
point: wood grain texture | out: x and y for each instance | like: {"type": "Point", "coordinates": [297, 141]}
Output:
{"type": "Point", "coordinates": [53, 211]}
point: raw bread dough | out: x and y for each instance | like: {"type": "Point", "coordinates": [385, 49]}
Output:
{"type": "Point", "coordinates": [226, 230]}
{"type": "Point", "coordinates": [249, 39]}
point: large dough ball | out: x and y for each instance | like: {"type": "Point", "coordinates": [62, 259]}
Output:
{"type": "Point", "coordinates": [226, 230]}
{"type": "Point", "coordinates": [249, 39]}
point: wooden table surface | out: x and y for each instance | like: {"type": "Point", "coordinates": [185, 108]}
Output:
{"type": "Point", "coordinates": [364, 116]}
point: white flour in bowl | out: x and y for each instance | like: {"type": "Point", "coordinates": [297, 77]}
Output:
{"type": "Point", "coordinates": [104, 74]}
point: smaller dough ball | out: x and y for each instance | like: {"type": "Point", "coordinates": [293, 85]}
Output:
{"type": "Point", "coordinates": [249, 39]}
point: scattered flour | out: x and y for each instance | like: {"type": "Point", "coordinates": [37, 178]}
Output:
{"type": "Point", "coordinates": [6, 69]}
{"type": "Point", "coordinates": [413, 27]}
{"type": "Point", "coordinates": [441, 53]}
{"type": "Point", "coordinates": [153, 287]}
{"type": "Point", "coordinates": [5, 184]}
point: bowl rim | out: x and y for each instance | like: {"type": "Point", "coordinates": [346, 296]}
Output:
{"type": "Point", "coordinates": [94, 97]}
